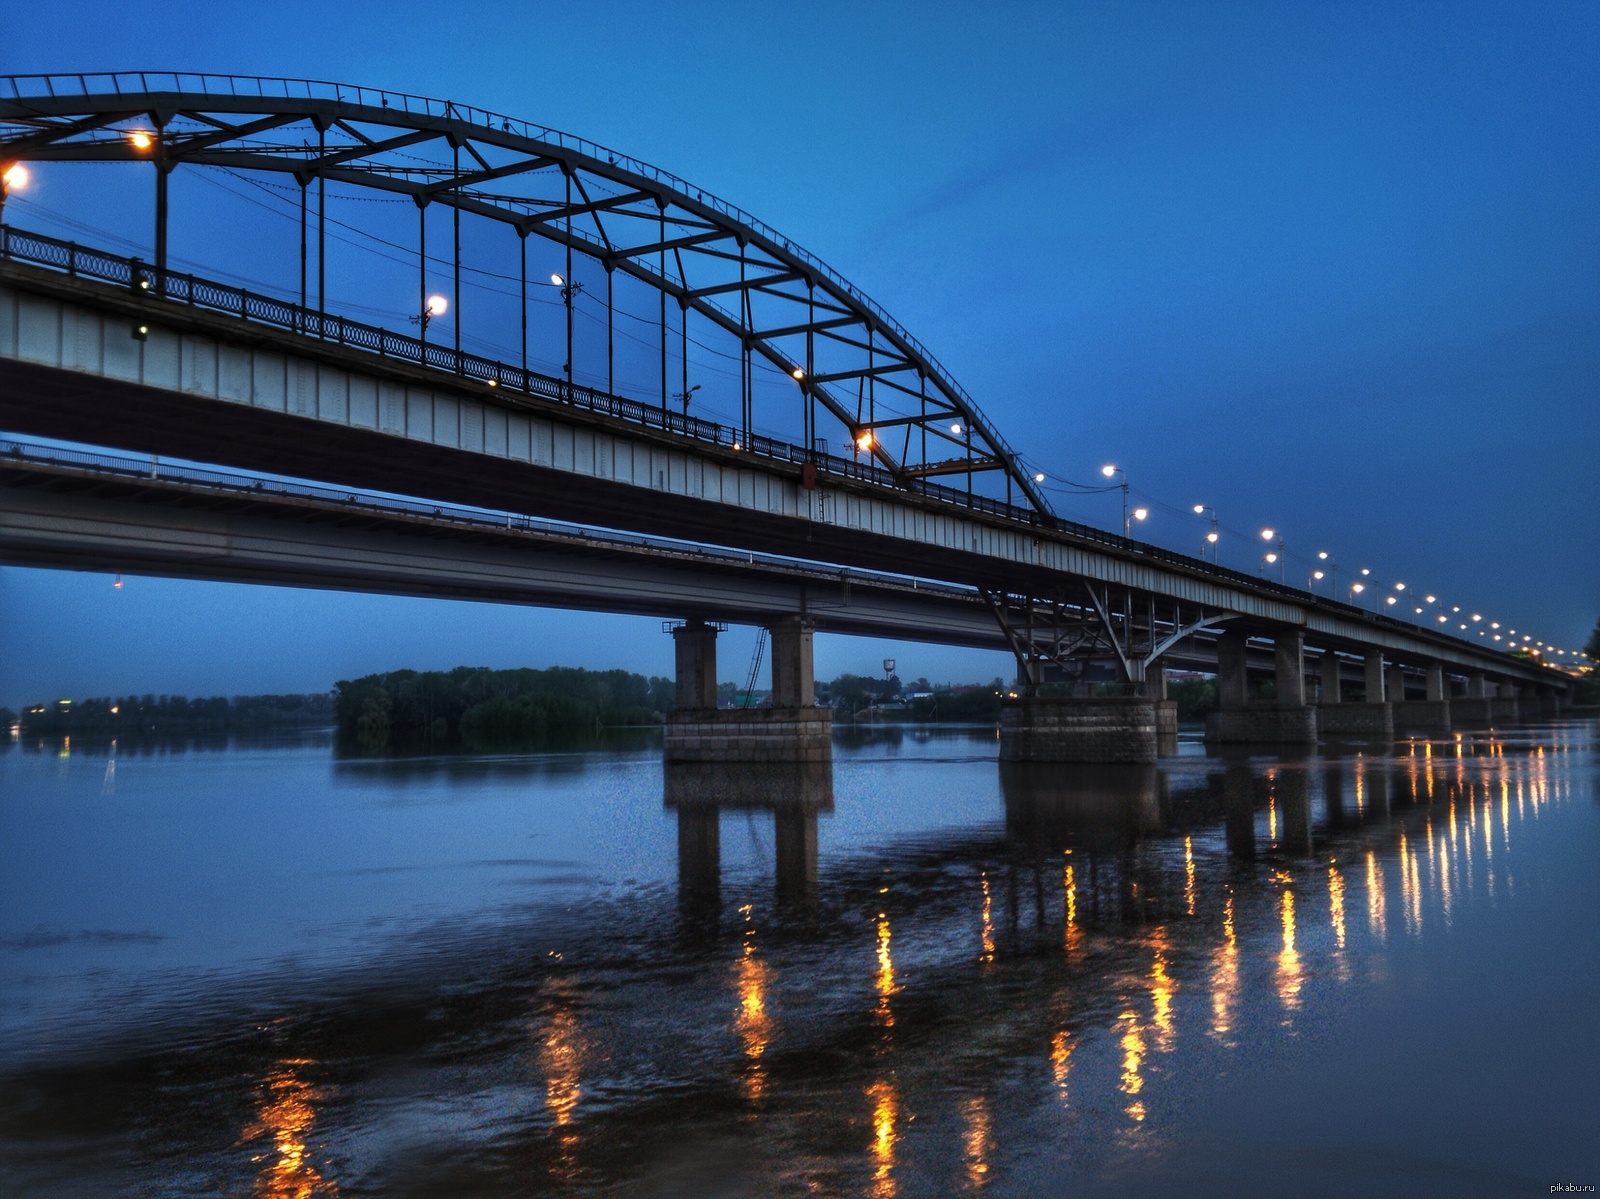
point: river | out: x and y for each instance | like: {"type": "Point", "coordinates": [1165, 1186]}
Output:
{"type": "Point", "coordinates": [266, 969]}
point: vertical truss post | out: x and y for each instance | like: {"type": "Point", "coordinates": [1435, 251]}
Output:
{"type": "Point", "coordinates": [422, 273]}
{"type": "Point", "coordinates": [456, 209]}
{"type": "Point", "coordinates": [569, 291]}
{"type": "Point", "coordinates": [161, 226]}
{"type": "Point", "coordinates": [683, 311]}
{"type": "Point", "coordinates": [746, 324]}
{"type": "Point", "coordinates": [661, 271]}
{"type": "Point", "coordinates": [303, 182]}
{"type": "Point", "coordinates": [322, 238]}
{"type": "Point", "coordinates": [611, 351]}
{"type": "Point", "coordinates": [809, 413]}
{"type": "Point", "coordinates": [522, 237]}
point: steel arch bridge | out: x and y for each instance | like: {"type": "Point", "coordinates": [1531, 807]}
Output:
{"type": "Point", "coordinates": [851, 361]}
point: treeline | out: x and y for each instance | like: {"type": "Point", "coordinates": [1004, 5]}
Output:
{"type": "Point", "coordinates": [477, 708]}
{"type": "Point", "coordinates": [133, 716]}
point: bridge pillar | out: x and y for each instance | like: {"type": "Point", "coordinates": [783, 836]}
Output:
{"type": "Point", "coordinates": [1289, 721]}
{"type": "Point", "coordinates": [1096, 729]}
{"type": "Point", "coordinates": [1371, 719]}
{"type": "Point", "coordinates": [1503, 708]}
{"type": "Point", "coordinates": [1155, 687]}
{"type": "Point", "coordinates": [1332, 685]}
{"type": "Point", "coordinates": [1437, 688]}
{"type": "Point", "coordinates": [793, 729]}
{"type": "Point", "coordinates": [1394, 687]}
{"type": "Point", "coordinates": [695, 652]}
{"type": "Point", "coordinates": [793, 679]}
{"type": "Point", "coordinates": [1475, 709]}
{"type": "Point", "coordinates": [1430, 716]}
{"type": "Point", "coordinates": [1373, 667]}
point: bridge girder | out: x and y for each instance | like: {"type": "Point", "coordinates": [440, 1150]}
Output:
{"type": "Point", "coordinates": [777, 300]}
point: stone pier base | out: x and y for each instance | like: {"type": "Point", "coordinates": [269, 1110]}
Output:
{"type": "Point", "coordinates": [1505, 711]}
{"type": "Point", "coordinates": [1368, 722]}
{"type": "Point", "coordinates": [1422, 716]}
{"type": "Point", "coordinates": [1107, 729]}
{"type": "Point", "coordinates": [1266, 726]}
{"type": "Point", "coordinates": [1166, 727]}
{"type": "Point", "coordinates": [749, 735]}
{"type": "Point", "coordinates": [1471, 712]}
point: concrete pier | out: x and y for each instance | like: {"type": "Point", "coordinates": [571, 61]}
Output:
{"type": "Point", "coordinates": [792, 730]}
{"type": "Point", "coordinates": [1081, 729]}
{"type": "Point", "coordinates": [1475, 710]}
{"type": "Point", "coordinates": [1430, 717]}
{"type": "Point", "coordinates": [1504, 708]}
{"type": "Point", "coordinates": [1357, 722]}
{"type": "Point", "coordinates": [1288, 720]}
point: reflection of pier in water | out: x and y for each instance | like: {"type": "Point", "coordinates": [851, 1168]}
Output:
{"type": "Point", "coordinates": [794, 792]}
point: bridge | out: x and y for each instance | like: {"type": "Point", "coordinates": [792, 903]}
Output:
{"type": "Point", "coordinates": [321, 451]}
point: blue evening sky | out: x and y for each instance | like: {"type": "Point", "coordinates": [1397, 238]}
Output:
{"type": "Point", "coordinates": [1331, 268]}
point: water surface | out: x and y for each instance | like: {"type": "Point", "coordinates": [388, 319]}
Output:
{"type": "Point", "coordinates": [263, 969]}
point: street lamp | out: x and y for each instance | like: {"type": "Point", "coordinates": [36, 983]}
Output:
{"type": "Point", "coordinates": [1211, 537]}
{"type": "Point", "coordinates": [1273, 556]}
{"type": "Point", "coordinates": [1355, 592]}
{"type": "Point", "coordinates": [1332, 569]}
{"type": "Point", "coordinates": [683, 397]}
{"type": "Point", "coordinates": [433, 307]}
{"type": "Point", "coordinates": [568, 291]}
{"type": "Point", "coordinates": [1112, 472]}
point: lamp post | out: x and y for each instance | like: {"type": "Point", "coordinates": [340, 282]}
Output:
{"type": "Point", "coordinates": [1128, 516]}
{"type": "Point", "coordinates": [1332, 569]}
{"type": "Point", "coordinates": [1212, 536]}
{"type": "Point", "coordinates": [568, 291]}
{"type": "Point", "coordinates": [683, 397]}
{"type": "Point", "coordinates": [1272, 556]}
{"type": "Point", "coordinates": [433, 307]}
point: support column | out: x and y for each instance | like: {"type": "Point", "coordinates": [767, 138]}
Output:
{"type": "Point", "coordinates": [1373, 665]}
{"type": "Point", "coordinates": [793, 729]}
{"type": "Point", "coordinates": [1332, 684]}
{"type": "Point", "coordinates": [1289, 721]}
{"type": "Point", "coordinates": [1166, 709]}
{"type": "Point", "coordinates": [695, 651]}
{"type": "Point", "coordinates": [1371, 720]}
{"type": "Point", "coordinates": [1430, 716]}
{"type": "Point", "coordinates": [793, 679]}
{"type": "Point", "coordinates": [1395, 684]}
{"type": "Point", "coordinates": [1289, 653]}
{"type": "Point", "coordinates": [1475, 709]}
{"type": "Point", "coordinates": [1437, 690]}
{"type": "Point", "coordinates": [1233, 683]}
{"type": "Point", "coordinates": [1504, 708]}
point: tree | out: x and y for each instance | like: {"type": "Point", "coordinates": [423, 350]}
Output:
{"type": "Point", "coordinates": [1592, 647]}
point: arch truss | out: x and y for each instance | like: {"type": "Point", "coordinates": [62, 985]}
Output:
{"type": "Point", "coordinates": [854, 366]}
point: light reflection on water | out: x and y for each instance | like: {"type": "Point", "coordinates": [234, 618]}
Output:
{"type": "Point", "coordinates": [888, 972]}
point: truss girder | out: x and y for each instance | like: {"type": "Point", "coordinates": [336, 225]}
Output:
{"type": "Point", "coordinates": [695, 248]}
{"type": "Point", "coordinates": [1103, 623]}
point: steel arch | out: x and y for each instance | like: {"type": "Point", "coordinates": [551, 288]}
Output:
{"type": "Point", "coordinates": [775, 298]}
